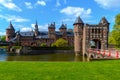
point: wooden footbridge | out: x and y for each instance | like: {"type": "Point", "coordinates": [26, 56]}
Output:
{"type": "Point", "coordinates": [103, 54]}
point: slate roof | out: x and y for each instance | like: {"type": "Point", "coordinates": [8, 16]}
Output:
{"type": "Point", "coordinates": [42, 34]}
{"type": "Point", "coordinates": [11, 26]}
{"type": "Point", "coordinates": [78, 21]}
{"type": "Point", "coordinates": [63, 26]}
{"type": "Point", "coordinates": [28, 33]}
{"type": "Point", "coordinates": [103, 20]}
{"type": "Point", "coordinates": [52, 25]}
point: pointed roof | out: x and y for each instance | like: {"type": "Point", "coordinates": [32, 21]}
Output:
{"type": "Point", "coordinates": [52, 25]}
{"type": "Point", "coordinates": [11, 26]}
{"type": "Point", "coordinates": [78, 21]}
{"type": "Point", "coordinates": [103, 20]}
{"type": "Point", "coordinates": [63, 26]}
{"type": "Point", "coordinates": [36, 25]}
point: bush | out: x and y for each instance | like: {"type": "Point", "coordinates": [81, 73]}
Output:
{"type": "Point", "coordinates": [43, 45]}
{"type": "Point", "coordinates": [60, 43]}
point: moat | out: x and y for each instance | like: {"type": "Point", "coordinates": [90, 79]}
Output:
{"type": "Point", "coordinates": [4, 56]}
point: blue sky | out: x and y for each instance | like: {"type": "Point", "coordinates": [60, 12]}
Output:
{"type": "Point", "coordinates": [24, 13]}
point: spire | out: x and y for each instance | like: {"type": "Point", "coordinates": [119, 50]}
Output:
{"type": "Point", "coordinates": [103, 20]}
{"type": "Point", "coordinates": [36, 25]}
{"type": "Point", "coordinates": [78, 21]}
{"type": "Point", "coordinates": [11, 26]}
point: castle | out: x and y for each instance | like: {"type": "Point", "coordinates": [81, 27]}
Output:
{"type": "Point", "coordinates": [36, 37]}
{"type": "Point", "coordinates": [81, 37]}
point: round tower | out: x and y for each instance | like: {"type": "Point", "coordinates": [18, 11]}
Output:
{"type": "Point", "coordinates": [78, 35]}
{"type": "Point", "coordinates": [10, 32]}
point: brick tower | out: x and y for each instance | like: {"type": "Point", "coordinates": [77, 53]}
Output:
{"type": "Point", "coordinates": [63, 30]}
{"type": "Point", "coordinates": [105, 32]}
{"type": "Point", "coordinates": [78, 35]}
{"type": "Point", "coordinates": [51, 31]}
{"type": "Point", "coordinates": [10, 32]}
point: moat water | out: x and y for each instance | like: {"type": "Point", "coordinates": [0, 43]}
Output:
{"type": "Point", "coordinates": [4, 56]}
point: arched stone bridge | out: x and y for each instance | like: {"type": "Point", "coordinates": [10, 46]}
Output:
{"type": "Point", "coordinates": [103, 54]}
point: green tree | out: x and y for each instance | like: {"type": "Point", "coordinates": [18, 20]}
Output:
{"type": "Point", "coordinates": [114, 37]}
{"type": "Point", "coordinates": [60, 43]}
{"type": "Point", "coordinates": [3, 38]}
{"type": "Point", "coordinates": [43, 45]}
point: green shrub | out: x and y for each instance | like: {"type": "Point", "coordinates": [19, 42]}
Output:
{"type": "Point", "coordinates": [43, 45]}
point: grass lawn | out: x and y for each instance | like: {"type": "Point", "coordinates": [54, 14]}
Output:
{"type": "Point", "coordinates": [96, 70]}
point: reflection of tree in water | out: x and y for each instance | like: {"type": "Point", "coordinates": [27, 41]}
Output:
{"type": "Point", "coordinates": [42, 57]}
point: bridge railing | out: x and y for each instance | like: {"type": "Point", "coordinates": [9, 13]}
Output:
{"type": "Point", "coordinates": [105, 53]}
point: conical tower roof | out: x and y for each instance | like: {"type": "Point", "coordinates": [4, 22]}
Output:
{"type": "Point", "coordinates": [103, 20]}
{"type": "Point", "coordinates": [11, 26]}
{"type": "Point", "coordinates": [78, 21]}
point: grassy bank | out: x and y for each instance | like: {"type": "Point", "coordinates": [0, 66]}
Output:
{"type": "Point", "coordinates": [99, 70]}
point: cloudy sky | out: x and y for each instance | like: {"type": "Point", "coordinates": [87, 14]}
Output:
{"type": "Point", "coordinates": [24, 13]}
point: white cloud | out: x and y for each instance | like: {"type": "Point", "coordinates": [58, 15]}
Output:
{"type": "Point", "coordinates": [41, 27]}
{"type": "Point", "coordinates": [24, 29]}
{"type": "Point", "coordinates": [42, 3]}
{"type": "Point", "coordinates": [68, 20]}
{"type": "Point", "coordinates": [28, 5]}
{"type": "Point", "coordinates": [108, 3]}
{"type": "Point", "coordinates": [57, 3]}
{"type": "Point", "coordinates": [10, 5]}
{"type": "Point", "coordinates": [76, 11]}
{"type": "Point", "coordinates": [14, 18]}
{"type": "Point", "coordinates": [2, 33]}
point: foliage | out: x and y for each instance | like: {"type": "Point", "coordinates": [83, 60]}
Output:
{"type": "Point", "coordinates": [53, 45]}
{"type": "Point", "coordinates": [3, 38]}
{"type": "Point", "coordinates": [52, 48]}
{"type": "Point", "coordinates": [3, 47]}
{"type": "Point", "coordinates": [43, 45]}
{"type": "Point", "coordinates": [114, 37]}
{"type": "Point", "coordinates": [60, 43]}
{"type": "Point", "coordinates": [17, 47]}
{"type": "Point", "coordinates": [97, 70]}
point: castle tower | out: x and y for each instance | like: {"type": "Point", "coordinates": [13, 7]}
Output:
{"type": "Point", "coordinates": [36, 29]}
{"type": "Point", "coordinates": [10, 32]}
{"type": "Point", "coordinates": [51, 31]}
{"type": "Point", "coordinates": [78, 35]}
{"type": "Point", "coordinates": [105, 32]}
{"type": "Point", "coordinates": [63, 30]}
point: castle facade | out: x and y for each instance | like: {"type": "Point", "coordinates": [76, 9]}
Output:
{"type": "Point", "coordinates": [81, 37]}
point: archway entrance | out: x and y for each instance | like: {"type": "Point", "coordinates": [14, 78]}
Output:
{"type": "Point", "coordinates": [95, 43]}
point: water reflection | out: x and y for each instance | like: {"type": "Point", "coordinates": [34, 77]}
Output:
{"type": "Point", "coordinates": [42, 57]}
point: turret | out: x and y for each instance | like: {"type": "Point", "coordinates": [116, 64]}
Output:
{"type": "Point", "coordinates": [103, 21]}
{"type": "Point", "coordinates": [63, 30]}
{"type": "Point", "coordinates": [105, 24]}
{"type": "Point", "coordinates": [78, 33]}
{"type": "Point", "coordinates": [36, 29]}
{"type": "Point", "coordinates": [10, 32]}
{"type": "Point", "coordinates": [51, 31]}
